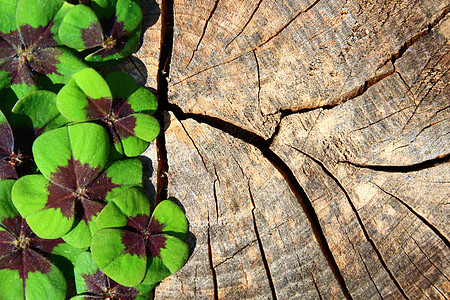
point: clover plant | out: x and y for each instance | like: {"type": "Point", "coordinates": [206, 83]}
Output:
{"type": "Point", "coordinates": [124, 108]}
{"type": "Point", "coordinates": [29, 45]}
{"type": "Point", "coordinates": [78, 224]}
{"type": "Point", "coordinates": [75, 184]}
{"type": "Point", "coordinates": [24, 257]}
{"type": "Point", "coordinates": [134, 246]}
{"type": "Point", "coordinates": [111, 29]}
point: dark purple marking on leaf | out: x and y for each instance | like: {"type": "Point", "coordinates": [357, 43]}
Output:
{"type": "Point", "coordinates": [125, 126]}
{"type": "Point", "coordinates": [62, 198]}
{"type": "Point", "coordinates": [92, 36]}
{"type": "Point", "coordinates": [122, 108]}
{"type": "Point", "coordinates": [100, 187]}
{"type": "Point", "coordinates": [7, 171]}
{"type": "Point", "coordinates": [74, 175]}
{"type": "Point", "coordinates": [13, 224]}
{"type": "Point", "coordinates": [155, 226]}
{"type": "Point", "coordinates": [91, 208]}
{"type": "Point", "coordinates": [34, 51]}
{"type": "Point", "coordinates": [19, 248]}
{"type": "Point", "coordinates": [100, 285]}
{"type": "Point", "coordinates": [115, 41]}
{"type": "Point", "coordinates": [139, 222]}
{"type": "Point", "coordinates": [6, 50]}
{"type": "Point", "coordinates": [78, 182]}
{"type": "Point", "coordinates": [155, 240]}
{"type": "Point", "coordinates": [118, 31]}
{"type": "Point", "coordinates": [155, 243]}
{"type": "Point", "coordinates": [150, 236]}
{"type": "Point", "coordinates": [8, 159]}
{"type": "Point", "coordinates": [98, 108]}
{"type": "Point", "coordinates": [133, 242]}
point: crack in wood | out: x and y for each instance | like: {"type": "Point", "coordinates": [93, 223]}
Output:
{"type": "Point", "coordinates": [215, 193]}
{"type": "Point", "coordinates": [235, 253]}
{"type": "Point", "coordinates": [428, 258]}
{"type": "Point", "coordinates": [315, 285]}
{"type": "Point", "coordinates": [263, 145]}
{"type": "Point", "coordinates": [360, 257]}
{"type": "Point", "coordinates": [211, 262]}
{"type": "Point", "coordinates": [261, 247]}
{"type": "Point", "coordinates": [441, 159]}
{"type": "Point", "coordinates": [246, 23]}
{"type": "Point", "coordinates": [419, 216]}
{"type": "Point", "coordinates": [406, 45]}
{"type": "Point", "coordinates": [288, 23]}
{"type": "Point", "coordinates": [421, 273]}
{"type": "Point", "coordinates": [203, 33]}
{"type": "Point", "coordinates": [358, 217]}
{"type": "Point", "coordinates": [166, 46]}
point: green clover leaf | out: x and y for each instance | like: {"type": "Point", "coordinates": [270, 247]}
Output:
{"type": "Point", "coordinates": [29, 46]}
{"type": "Point", "coordinates": [148, 252]}
{"type": "Point", "coordinates": [117, 101]}
{"type": "Point", "coordinates": [111, 33]}
{"type": "Point", "coordinates": [40, 108]}
{"type": "Point", "coordinates": [75, 185]}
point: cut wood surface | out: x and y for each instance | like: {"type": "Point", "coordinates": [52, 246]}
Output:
{"type": "Point", "coordinates": [308, 143]}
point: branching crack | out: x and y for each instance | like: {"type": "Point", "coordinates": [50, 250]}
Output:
{"type": "Point", "coordinates": [302, 198]}
{"type": "Point", "coordinates": [358, 217]}
{"type": "Point", "coordinates": [235, 253]}
{"type": "Point", "coordinates": [419, 216]}
{"type": "Point", "coordinates": [203, 32]}
{"type": "Point", "coordinates": [246, 23]}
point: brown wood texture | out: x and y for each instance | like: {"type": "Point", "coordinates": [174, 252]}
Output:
{"type": "Point", "coordinates": [308, 143]}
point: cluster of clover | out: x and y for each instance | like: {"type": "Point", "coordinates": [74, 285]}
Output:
{"type": "Point", "coordinates": [74, 221]}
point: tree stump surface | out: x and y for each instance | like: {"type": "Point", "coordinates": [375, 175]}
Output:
{"type": "Point", "coordinates": [307, 142]}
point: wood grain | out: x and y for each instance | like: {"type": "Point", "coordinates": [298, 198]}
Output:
{"type": "Point", "coordinates": [308, 144]}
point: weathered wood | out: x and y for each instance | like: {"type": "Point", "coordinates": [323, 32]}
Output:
{"type": "Point", "coordinates": [308, 146]}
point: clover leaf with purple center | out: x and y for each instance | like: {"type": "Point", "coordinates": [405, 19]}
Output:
{"type": "Point", "coordinates": [118, 102]}
{"type": "Point", "coordinates": [75, 185]}
{"type": "Point", "coordinates": [111, 29]}
{"type": "Point", "coordinates": [25, 270]}
{"type": "Point", "coordinates": [9, 159]}
{"type": "Point", "coordinates": [133, 247]}
{"type": "Point", "coordinates": [93, 284]}
{"type": "Point", "coordinates": [29, 45]}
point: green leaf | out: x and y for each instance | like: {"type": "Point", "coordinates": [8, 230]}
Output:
{"type": "Point", "coordinates": [121, 84]}
{"type": "Point", "coordinates": [88, 143]}
{"type": "Point", "coordinates": [129, 12]}
{"type": "Point", "coordinates": [30, 195]}
{"type": "Point", "coordinates": [7, 210]}
{"type": "Point", "coordinates": [80, 28]}
{"type": "Point", "coordinates": [104, 9]}
{"type": "Point", "coordinates": [36, 12]}
{"type": "Point", "coordinates": [115, 260]}
{"type": "Point", "coordinates": [173, 218]}
{"type": "Point", "coordinates": [125, 173]}
{"type": "Point", "coordinates": [86, 97]}
{"type": "Point", "coordinates": [8, 15]}
{"type": "Point", "coordinates": [129, 203]}
{"type": "Point", "coordinates": [68, 64]}
{"type": "Point", "coordinates": [142, 100]}
{"type": "Point", "coordinates": [40, 107]}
